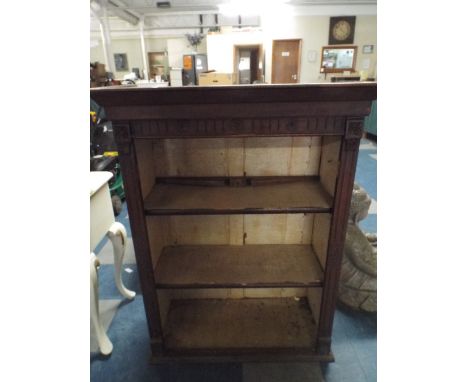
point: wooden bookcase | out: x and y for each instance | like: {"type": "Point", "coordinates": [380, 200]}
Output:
{"type": "Point", "coordinates": [238, 199]}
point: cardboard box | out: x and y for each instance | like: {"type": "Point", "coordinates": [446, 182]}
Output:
{"type": "Point", "coordinates": [215, 78]}
{"type": "Point", "coordinates": [101, 70]}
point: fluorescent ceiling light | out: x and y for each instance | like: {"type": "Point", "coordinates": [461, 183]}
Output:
{"type": "Point", "coordinates": [252, 7]}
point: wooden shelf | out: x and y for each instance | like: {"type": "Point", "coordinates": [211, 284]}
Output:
{"type": "Point", "coordinates": [239, 326]}
{"type": "Point", "coordinates": [238, 266]}
{"type": "Point", "coordinates": [263, 196]}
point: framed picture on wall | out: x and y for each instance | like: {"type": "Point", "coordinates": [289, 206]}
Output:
{"type": "Point", "coordinates": [121, 63]}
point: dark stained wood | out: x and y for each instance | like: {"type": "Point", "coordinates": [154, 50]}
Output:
{"type": "Point", "coordinates": [236, 111]}
{"type": "Point", "coordinates": [134, 200]}
{"type": "Point", "coordinates": [238, 266]}
{"type": "Point", "coordinates": [248, 329]}
{"type": "Point", "coordinates": [236, 181]}
{"type": "Point", "coordinates": [245, 325]}
{"type": "Point", "coordinates": [126, 96]}
{"type": "Point", "coordinates": [300, 196]}
{"type": "Point", "coordinates": [260, 355]}
{"type": "Point", "coordinates": [249, 127]}
{"type": "Point", "coordinates": [344, 188]}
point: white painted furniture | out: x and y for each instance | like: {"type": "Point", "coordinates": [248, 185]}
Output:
{"type": "Point", "coordinates": [102, 222]}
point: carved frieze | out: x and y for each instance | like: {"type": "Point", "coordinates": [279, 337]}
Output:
{"type": "Point", "coordinates": [238, 127]}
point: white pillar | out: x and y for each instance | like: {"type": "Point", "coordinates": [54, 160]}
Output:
{"type": "Point", "coordinates": [143, 49]}
{"type": "Point", "coordinates": [105, 37]}
{"type": "Point", "coordinates": [106, 40]}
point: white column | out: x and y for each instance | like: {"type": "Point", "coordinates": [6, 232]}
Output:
{"type": "Point", "coordinates": [143, 49]}
{"type": "Point", "coordinates": [105, 36]}
{"type": "Point", "coordinates": [106, 40]}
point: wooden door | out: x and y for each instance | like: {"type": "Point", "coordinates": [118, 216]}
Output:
{"type": "Point", "coordinates": [286, 61]}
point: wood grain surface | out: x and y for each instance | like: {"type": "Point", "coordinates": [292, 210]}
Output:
{"type": "Point", "coordinates": [307, 130]}
{"type": "Point", "coordinates": [185, 199]}
{"type": "Point", "coordinates": [248, 324]}
{"type": "Point", "coordinates": [230, 266]}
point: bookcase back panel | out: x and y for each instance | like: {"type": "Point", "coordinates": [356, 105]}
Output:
{"type": "Point", "coordinates": [314, 297]}
{"type": "Point", "coordinates": [330, 162]}
{"type": "Point", "coordinates": [230, 229]}
{"type": "Point", "coordinates": [278, 229]}
{"type": "Point", "coordinates": [146, 170]}
{"type": "Point", "coordinates": [282, 156]}
{"type": "Point", "coordinates": [320, 235]}
{"type": "Point", "coordinates": [266, 156]}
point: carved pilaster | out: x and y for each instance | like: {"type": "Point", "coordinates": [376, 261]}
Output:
{"type": "Point", "coordinates": [353, 133]}
{"type": "Point", "coordinates": [122, 137]}
{"type": "Point", "coordinates": [354, 128]}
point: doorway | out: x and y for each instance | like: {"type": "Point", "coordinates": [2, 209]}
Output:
{"type": "Point", "coordinates": [286, 59]}
{"type": "Point", "coordinates": [248, 64]}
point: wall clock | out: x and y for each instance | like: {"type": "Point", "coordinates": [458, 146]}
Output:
{"type": "Point", "coordinates": [341, 30]}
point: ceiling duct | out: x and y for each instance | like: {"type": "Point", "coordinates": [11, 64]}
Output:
{"type": "Point", "coordinates": [163, 4]}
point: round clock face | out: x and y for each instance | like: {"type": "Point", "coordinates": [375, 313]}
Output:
{"type": "Point", "coordinates": [341, 30]}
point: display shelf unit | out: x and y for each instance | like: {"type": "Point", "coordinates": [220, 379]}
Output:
{"type": "Point", "coordinates": [238, 198]}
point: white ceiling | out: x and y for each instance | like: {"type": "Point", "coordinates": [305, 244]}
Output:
{"type": "Point", "coordinates": [193, 14]}
{"type": "Point", "coordinates": [149, 7]}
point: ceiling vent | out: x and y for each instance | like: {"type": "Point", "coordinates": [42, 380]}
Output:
{"type": "Point", "coordinates": [163, 4]}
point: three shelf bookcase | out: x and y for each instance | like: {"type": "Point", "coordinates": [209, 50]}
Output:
{"type": "Point", "coordinates": [238, 198]}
